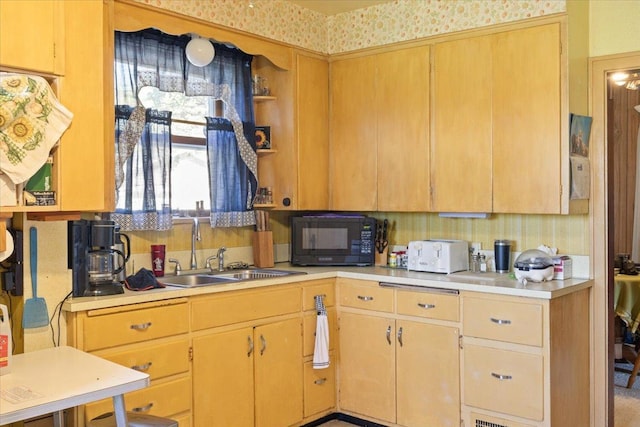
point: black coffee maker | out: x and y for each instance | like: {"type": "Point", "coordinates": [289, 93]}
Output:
{"type": "Point", "coordinates": [91, 258]}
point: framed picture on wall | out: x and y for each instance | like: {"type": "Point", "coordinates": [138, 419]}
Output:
{"type": "Point", "coordinates": [263, 137]}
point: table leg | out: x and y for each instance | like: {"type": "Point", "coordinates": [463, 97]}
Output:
{"type": "Point", "coordinates": [58, 419]}
{"type": "Point", "coordinates": [634, 372]}
{"type": "Point", "coordinates": [119, 411]}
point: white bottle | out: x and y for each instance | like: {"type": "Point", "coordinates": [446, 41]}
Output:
{"type": "Point", "coordinates": [5, 341]}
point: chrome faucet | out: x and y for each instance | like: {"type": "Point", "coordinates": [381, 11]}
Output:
{"type": "Point", "coordinates": [195, 235]}
{"type": "Point", "coordinates": [219, 256]}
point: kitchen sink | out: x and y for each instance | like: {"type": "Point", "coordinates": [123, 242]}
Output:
{"type": "Point", "coordinates": [195, 280]}
{"type": "Point", "coordinates": [226, 277]}
{"type": "Point", "coordinates": [255, 274]}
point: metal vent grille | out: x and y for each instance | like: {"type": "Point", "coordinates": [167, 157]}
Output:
{"type": "Point", "coordinates": [482, 423]}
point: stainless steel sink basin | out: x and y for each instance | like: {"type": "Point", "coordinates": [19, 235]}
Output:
{"type": "Point", "coordinates": [254, 274]}
{"type": "Point", "coordinates": [222, 278]}
{"type": "Point", "coordinates": [195, 280]}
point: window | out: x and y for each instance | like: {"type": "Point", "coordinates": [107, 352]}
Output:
{"type": "Point", "coordinates": [189, 168]}
{"type": "Point", "coordinates": [174, 145]}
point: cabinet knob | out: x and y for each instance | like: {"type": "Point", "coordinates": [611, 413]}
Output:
{"type": "Point", "coordinates": [141, 326]}
{"type": "Point", "coordinates": [142, 368]}
{"type": "Point", "coordinates": [426, 306]}
{"type": "Point", "coordinates": [501, 377]}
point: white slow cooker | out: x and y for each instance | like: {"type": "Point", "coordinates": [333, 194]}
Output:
{"type": "Point", "coordinates": [533, 265]}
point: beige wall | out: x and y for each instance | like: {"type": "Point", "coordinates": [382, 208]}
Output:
{"type": "Point", "coordinates": [614, 26]}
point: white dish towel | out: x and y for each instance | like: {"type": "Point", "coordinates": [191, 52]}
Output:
{"type": "Point", "coordinates": [321, 350]}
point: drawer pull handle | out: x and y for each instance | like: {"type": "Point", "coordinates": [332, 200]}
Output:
{"type": "Point", "coordinates": [264, 345]}
{"type": "Point", "coordinates": [389, 334]}
{"type": "Point", "coordinates": [141, 326]}
{"type": "Point", "coordinates": [365, 298]}
{"type": "Point", "coordinates": [400, 336]}
{"type": "Point", "coordinates": [250, 346]}
{"type": "Point", "coordinates": [142, 368]}
{"type": "Point", "coordinates": [145, 408]}
{"type": "Point", "coordinates": [500, 321]}
{"type": "Point", "coordinates": [501, 377]}
{"type": "Point", "coordinates": [320, 381]}
{"type": "Point", "coordinates": [426, 306]}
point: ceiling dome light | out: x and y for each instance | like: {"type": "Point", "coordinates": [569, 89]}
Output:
{"type": "Point", "coordinates": [200, 52]}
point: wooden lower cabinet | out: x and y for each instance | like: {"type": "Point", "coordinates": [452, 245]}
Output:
{"type": "Point", "coordinates": [148, 337]}
{"type": "Point", "coordinates": [251, 376]}
{"type": "Point", "coordinates": [399, 371]}
{"type": "Point", "coordinates": [525, 361]}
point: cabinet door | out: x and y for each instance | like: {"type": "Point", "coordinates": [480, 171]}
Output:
{"type": "Point", "coordinates": [31, 35]}
{"type": "Point", "coordinates": [526, 116]}
{"type": "Point", "coordinates": [353, 135]}
{"type": "Point", "coordinates": [223, 379]}
{"type": "Point", "coordinates": [402, 101]}
{"type": "Point", "coordinates": [313, 133]}
{"type": "Point", "coordinates": [278, 374]}
{"type": "Point", "coordinates": [428, 375]}
{"type": "Point", "coordinates": [87, 147]}
{"type": "Point", "coordinates": [367, 366]}
{"type": "Point", "coordinates": [461, 148]}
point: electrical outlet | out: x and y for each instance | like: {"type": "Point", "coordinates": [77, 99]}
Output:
{"type": "Point", "coordinates": [476, 246]}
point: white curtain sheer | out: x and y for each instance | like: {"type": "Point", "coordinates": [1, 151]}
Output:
{"type": "Point", "coordinates": [635, 249]}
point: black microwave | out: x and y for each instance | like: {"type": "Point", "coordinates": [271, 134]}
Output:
{"type": "Point", "coordinates": [333, 239]}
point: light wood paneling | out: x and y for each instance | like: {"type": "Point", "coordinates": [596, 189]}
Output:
{"type": "Point", "coordinates": [623, 134]}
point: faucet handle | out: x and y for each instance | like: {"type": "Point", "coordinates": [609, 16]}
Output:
{"type": "Point", "coordinates": [207, 263]}
{"type": "Point", "coordinates": [178, 268]}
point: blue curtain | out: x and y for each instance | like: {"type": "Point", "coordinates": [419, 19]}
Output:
{"type": "Point", "coordinates": [143, 197]}
{"type": "Point", "coordinates": [152, 58]}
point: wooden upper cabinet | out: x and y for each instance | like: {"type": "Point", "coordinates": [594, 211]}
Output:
{"type": "Point", "coordinates": [526, 115]}
{"type": "Point", "coordinates": [353, 134]}
{"type": "Point", "coordinates": [402, 90]}
{"type": "Point", "coordinates": [380, 131]}
{"type": "Point", "coordinates": [32, 35]}
{"type": "Point", "coordinates": [312, 117]}
{"type": "Point", "coordinates": [461, 149]}
{"type": "Point", "coordinates": [87, 147]}
{"type": "Point", "coordinates": [497, 123]}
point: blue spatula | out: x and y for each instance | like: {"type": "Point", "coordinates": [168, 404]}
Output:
{"type": "Point", "coordinates": [35, 313]}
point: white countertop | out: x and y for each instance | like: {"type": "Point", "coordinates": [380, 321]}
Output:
{"type": "Point", "coordinates": [464, 281]}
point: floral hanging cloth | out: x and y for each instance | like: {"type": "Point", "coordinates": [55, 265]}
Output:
{"type": "Point", "coordinates": [32, 120]}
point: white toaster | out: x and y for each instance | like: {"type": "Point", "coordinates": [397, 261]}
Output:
{"type": "Point", "coordinates": [438, 256]}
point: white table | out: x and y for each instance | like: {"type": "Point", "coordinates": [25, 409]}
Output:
{"type": "Point", "coordinates": [52, 380]}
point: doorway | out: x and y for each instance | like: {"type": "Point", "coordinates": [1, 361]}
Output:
{"type": "Point", "coordinates": [602, 234]}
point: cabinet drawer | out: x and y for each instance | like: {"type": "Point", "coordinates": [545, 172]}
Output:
{"type": "Point", "coordinates": [516, 322]}
{"type": "Point", "coordinates": [219, 310]}
{"type": "Point", "coordinates": [324, 287]}
{"type": "Point", "coordinates": [163, 400]}
{"type": "Point", "coordinates": [367, 295]}
{"type": "Point", "coordinates": [504, 381]}
{"type": "Point", "coordinates": [310, 331]}
{"type": "Point", "coordinates": [319, 388]}
{"type": "Point", "coordinates": [110, 330]}
{"type": "Point", "coordinates": [160, 360]}
{"type": "Point", "coordinates": [432, 305]}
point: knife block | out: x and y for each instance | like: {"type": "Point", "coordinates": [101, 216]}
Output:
{"type": "Point", "coordinates": [263, 249]}
{"type": "Point", "coordinates": [381, 258]}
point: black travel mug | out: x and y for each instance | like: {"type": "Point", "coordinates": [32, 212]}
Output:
{"type": "Point", "coordinates": [502, 252]}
